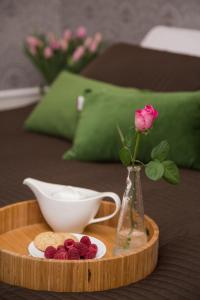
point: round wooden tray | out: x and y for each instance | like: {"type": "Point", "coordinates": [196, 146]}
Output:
{"type": "Point", "coordinates": [21, 222]}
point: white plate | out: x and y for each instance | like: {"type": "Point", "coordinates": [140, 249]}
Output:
{"type": "Point", "coordinates": [33, 251]}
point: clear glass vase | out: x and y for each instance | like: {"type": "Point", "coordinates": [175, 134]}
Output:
{"type": "Point", "coordinates": [131, 233]}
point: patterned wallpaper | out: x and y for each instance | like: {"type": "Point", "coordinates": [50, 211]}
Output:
{"type": "Point", "coordinates": [118, 20]}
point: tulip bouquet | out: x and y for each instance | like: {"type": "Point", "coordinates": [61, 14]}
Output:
{"type": "Point", "coordinates": [71, 51]}
{"type": "Point", "coordinates": [159, 166]}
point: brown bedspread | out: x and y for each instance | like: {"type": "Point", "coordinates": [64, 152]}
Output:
{"type": "Point", "coordinates": [176, 209]}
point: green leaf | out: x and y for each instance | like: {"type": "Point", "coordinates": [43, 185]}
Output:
{"type": "Point", "coordinates": [154, 170]}
{"type": "Point", "coordinates": [161, 151]}
{"type": "Point", "coordinates": [171, 172]}
{"type": "Point", "coordinates": [125, 156]}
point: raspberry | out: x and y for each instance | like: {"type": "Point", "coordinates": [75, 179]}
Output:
{"type": "Point", "coordinates": [61, 250]}
{"type": "Point", "coordinates": [82, 248]}
{"type": "Point", "coordinates": [91, 253]}
{"type": "Point", "coordinates": [49, 252]}
{"type": "Point", "coordinates": [61, 247]}
{"type": "Point", "coordinates": [73, 253]}
{"type": "Point", "coordinates": [85, 240]}
{"type": "Point", "coordinates": [94, 246]}
{"type": "Point", "coordinates": [61, 255]}
{"type": "Point", "coordinates": [68, 243]}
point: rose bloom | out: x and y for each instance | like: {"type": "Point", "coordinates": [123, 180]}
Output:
{"type": "Point", "coordinates": [78, 54]}
{"type": "Point", "coordinates": [144, 118]}
{"type": "Point", "coordinates": [81, 32]}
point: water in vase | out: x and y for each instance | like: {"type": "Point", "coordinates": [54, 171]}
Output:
{"type": "Point", "coordinates": [131, 232]}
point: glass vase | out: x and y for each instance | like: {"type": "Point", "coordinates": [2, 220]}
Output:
{"type": "Point", "coordinates": [131, 233]}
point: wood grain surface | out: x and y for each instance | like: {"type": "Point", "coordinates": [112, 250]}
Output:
{"type": "Point", "coordinates": [21, 222]}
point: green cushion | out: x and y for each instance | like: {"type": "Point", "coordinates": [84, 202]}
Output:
{"type": "Point", "coordinates": [178, 122]}
{"type": "Point", "coordinates": [57, 114]}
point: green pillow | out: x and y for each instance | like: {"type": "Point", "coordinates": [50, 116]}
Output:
{"type": "Point", "coordinates": [178, 122]}
{"type": "Point", "coordinates": [57, 114]}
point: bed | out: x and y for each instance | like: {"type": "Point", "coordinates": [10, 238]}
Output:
{"type": "Point", "coordinates": [176, 209]}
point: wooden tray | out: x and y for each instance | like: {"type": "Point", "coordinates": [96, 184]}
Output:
{"type": "Point", "coordinates": [20, 222]}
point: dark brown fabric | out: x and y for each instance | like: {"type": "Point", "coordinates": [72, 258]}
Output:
{"type": "Point", "coordinates": [176, 209]}
{"type": "Point", "coordinates": [129, 65]}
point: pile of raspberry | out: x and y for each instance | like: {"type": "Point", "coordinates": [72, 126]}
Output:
{"type": "Point", "coordinates": [73, 250]}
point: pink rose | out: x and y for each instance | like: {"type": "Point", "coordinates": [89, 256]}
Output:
{"type": "Point", "coordinates": [81, 32]}
{"type": "Point", "coordinates": [48, 53]}
{"type": "Point", "coordinates": [149, 108]}
{"type": "Point", "coordinates": [78, 54]}
{"type": "Point", "coordinates": [144, 118]}
{"type": "Point", "coordinates": [63, 44]}
{"type": "Point", "coordinates": [67, 35]}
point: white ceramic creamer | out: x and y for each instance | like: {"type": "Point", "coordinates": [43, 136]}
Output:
{"type": "Point", "coordinates": [68, 208]}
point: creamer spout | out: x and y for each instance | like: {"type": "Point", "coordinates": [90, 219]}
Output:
{"type": "Point", "coordinates": [36, 186]}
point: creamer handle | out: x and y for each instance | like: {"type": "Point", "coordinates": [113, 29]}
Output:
{"type": "Point", "coordinates": [117, 201]}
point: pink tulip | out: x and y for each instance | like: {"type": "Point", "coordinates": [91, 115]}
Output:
{"type": "Point", "coordinates": [98, 37]}
{"type": "Point", "coordinates": [144, 118]}
{"type": "Point", "coordinates": [63, 44]}
{"type": "Point", "coordinates": [93, 46]}
{"type": "Point", "coordinates": [81, 32]}
{"type": "Point", "coordinates": [55, 45]}
{"type": "Point", "coordinates": [53, 42]}
{"type": "Point", "coordinates": [33, 50]}
{"type": "Point", "coordinates": [67, 35]}
{"type": "Point", "coordinates": [33, 42]}
{"type": "Point", "coordinates": [48, 53]}
{"type": "Point", "coordinates": [88, 42]}
{"type": "Point", "coordinates": [78, 54]}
